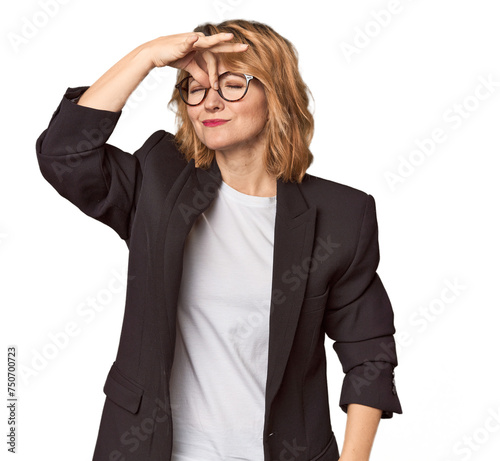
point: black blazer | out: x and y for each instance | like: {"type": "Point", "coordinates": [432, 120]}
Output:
{"type": "Point", "coordinates": [324, 281]}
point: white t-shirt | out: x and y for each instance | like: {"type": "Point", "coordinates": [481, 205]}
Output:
{"type": "Point", "coordinates": [219, 374]}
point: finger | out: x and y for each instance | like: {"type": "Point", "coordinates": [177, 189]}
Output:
{"type": "Point", "coordinates": [190, 40]}
{"type": "Point", "coordinates": [212, 40]}
{"type": "Point", "coordinates": [229, 48]}
{"type": "Point", "coordinates": [187, 45]}
{"type": "Point", "coordinates": [195, 36]}
{"type": "Point", "coordinates": [200, 76]}
{"type": "Point", "coordinates": [201, 62]}
{"type": "Point", "coordinates": [212, 66]}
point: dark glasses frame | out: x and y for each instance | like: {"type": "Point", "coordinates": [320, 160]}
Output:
{"type": "Point", "coordinates": [219, 91]}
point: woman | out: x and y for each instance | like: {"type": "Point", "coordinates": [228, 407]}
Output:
{"type": "Point", "coordinates": [240, 261]}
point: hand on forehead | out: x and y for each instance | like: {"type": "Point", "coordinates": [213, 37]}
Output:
{"type": "Point", "coordinates": [208, 65]}
{"type": "Point", "coordinates": [215, 63]}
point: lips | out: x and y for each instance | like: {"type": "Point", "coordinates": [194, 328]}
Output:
{"type": "Point", "coordinates": [214, 122]}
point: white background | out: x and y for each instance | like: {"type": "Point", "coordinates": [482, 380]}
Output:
{"type": "Point", "coordinates": [423, 70]}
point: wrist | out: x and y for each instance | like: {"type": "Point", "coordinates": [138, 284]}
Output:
{"type": "Point", "coordinates": [145, 55]}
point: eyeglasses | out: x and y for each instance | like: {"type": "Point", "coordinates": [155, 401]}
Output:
{"type": "Point", "coordinates": [232, 87]}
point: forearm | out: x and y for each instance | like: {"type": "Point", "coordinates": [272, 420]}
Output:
{"type": "Point", "coordinates": [112, 89]}
{"type": "Point", "coordinates": [361, 427]}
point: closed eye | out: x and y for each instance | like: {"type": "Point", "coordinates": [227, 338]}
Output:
{"type": "Point", "coordinates": [196, 90]}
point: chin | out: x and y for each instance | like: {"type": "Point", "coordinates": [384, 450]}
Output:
{"type": "Point", "coordinates": [217, 144]}
{"type": "Point", "coordinates": [220, 148]}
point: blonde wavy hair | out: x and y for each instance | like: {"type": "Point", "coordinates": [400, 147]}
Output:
{"type": "Point", "coordinates": [273, 60]}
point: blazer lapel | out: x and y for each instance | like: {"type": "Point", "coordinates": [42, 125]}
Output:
{"type": "Point", "coordinates": [191, 194]}
{"type": "Point", "coordinates": [293, 243]}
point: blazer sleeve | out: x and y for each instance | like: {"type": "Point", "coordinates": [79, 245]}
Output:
{"type": "Point", "coordinates": [360, 320]}
{"type": "Point", "coordinates": [74, 157]}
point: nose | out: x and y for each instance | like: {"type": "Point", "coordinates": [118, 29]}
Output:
{"type": "Point", "coordinates": [213, 101]}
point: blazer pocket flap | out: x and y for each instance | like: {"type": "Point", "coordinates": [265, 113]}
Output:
{"type": "Point", "coordinates": [122, 391]}
{"type": "Point", "coordinates": [315, 303]}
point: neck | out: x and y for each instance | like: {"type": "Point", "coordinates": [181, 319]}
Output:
{"type": "Point", "coordinates": [244, 170]}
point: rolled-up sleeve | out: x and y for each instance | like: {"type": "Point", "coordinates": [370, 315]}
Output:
{"type": "Point", "coordinates": [360, 319]}
{"type": "Point", "coordinates": [74, 157]}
